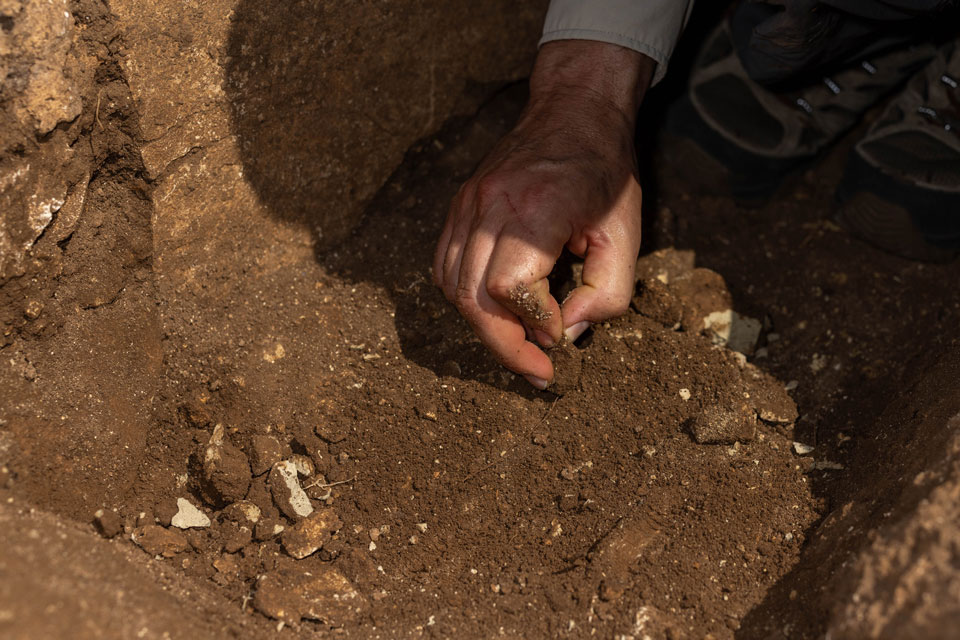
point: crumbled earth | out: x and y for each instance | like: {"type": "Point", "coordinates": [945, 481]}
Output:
{"type": "Point", "coordinates": [345, 457]}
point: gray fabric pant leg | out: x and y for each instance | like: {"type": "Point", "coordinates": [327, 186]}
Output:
{"type": "Point", "coordinates": [780, 41]}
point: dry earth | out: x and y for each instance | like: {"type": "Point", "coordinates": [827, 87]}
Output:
{"type": "Point", "coordinates": [217, 421]}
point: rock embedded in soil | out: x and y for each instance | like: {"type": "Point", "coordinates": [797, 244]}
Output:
{"type": "Point", "coordinates": [321, 594]}
{"type": "Point", "coordinates": [732, 330]}
{"type": "Point", "coordinates": [723, 425]}
{"type": "Point", "coordinates": [107, 522]}
{"type": "Point", "coordinates": [158, 541]}
{"type": "Point", "coordinates": [268, 528]}
{"type": "Point", "coordinates": [567, 366]}
{"type": "Point", "coordinates": [303, 464]}
{"type": "Point", "coordinates": [242, 512]}
{"type": "Point", "coordinates": [310, 534]}
{"type": "Point", "coordinates": [265, 451]}
{"type": "Point", "coordinates": [226, 470]}
{"type": "Point", "coordinates": [287, 493]}
{"type": "Point", "coordinates": [188, 516]}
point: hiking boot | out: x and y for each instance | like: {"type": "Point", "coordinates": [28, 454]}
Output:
{"type": "Point", "coordinates": [744, 139]}
{"type": "Point", "coordinates": [901, 188]}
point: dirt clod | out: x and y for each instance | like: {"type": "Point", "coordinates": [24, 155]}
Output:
{"type": "Point", "coordinates": [567, 364]}
{"type": "Point", "coordinates": [108, 523]}
{"type": "Point", "coordinates": [243, 512]}
{"type": "Point", "coordinates": [722, 425]}
{"type": "Point", "coordinates": [226, 471]}
{"type": "Point", "coordinates": [265, 451]}
{"type": "Point", "coordinates": [268, 528]}
{"type": "Point", "coordinates": [158, 541]}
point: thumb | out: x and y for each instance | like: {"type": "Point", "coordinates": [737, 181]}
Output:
{"type": "Point", "coordinates": [608, 283]}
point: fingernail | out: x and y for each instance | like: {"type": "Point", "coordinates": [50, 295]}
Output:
{"type": "Point", "coordinates": [539, 383]}
{"type": "Point", "coordinates": [543, 338]}
{"type": "Point", "coordinates": [576, 330]}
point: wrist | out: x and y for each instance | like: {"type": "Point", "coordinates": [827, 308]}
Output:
{"type": "Point", "coordinates": [602, 73]}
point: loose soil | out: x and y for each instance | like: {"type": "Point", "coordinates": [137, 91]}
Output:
{"type": "Point", "coordinates": [469, 504]}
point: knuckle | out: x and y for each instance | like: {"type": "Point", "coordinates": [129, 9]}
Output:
{"type": "Point", "coordinates": [488, 189]}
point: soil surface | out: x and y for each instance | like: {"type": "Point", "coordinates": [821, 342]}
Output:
{"type": "Point", "coordinates": [357, 463]}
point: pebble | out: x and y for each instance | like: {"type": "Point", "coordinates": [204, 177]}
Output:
{"type": "Point", "coordinates": [309, 535]}
{"type": "Point", "coordinates": [303, 464]}
{"type": "Point", "coordinates": [226, 470]}
{"type": "Point", "coordinates": [287, 493]}
{"type": "Point", "coordinates": [188, 515]}
{"type": "Point", "coordinates": [802, 449]}
{"type": "Point", "coordinates": [685, 394]}
{"type": "Point", "coordinates": [107, 522]}
{"type": "Point", "coordinates": [158, 541]}
{"type": "Point", "coordinates": [322, 594]}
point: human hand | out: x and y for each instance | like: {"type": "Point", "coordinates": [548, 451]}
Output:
{"type": "Point", "coordinates": [566, 175]}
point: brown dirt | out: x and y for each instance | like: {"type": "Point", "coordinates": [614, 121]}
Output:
{"type": "Point", "coordinates": [469, 505]}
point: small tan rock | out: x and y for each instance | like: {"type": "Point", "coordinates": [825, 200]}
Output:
{"type": "Point", "coordinates": [324, 595]}
{"type": "Point", "coordinates": [310, 534]}
{"type": "Point", "coordinates": [158, 541]}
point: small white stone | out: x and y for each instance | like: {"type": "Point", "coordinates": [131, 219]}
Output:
{"type": "Point", "coordinates": [802, 449]}
{"type": "Point", "coordinates": [298, 499]}
{"type": "Point", "coordinates": [736, 332]}
{"type": "Point", "coordinates": [422, 526]}
{"type": "Point", "coordinates": [189, 516]}
{"type": "Point", "coordinates": [373, 546]}
{"type": "Point", "coordinates": [685, 394]}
